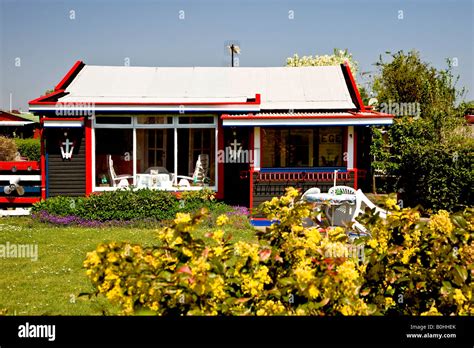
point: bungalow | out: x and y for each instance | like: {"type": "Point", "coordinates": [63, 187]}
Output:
{"type": "Point", "coordinates": [246, 133]}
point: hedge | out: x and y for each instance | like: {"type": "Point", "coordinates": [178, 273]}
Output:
{"type": "Point", "coordinates": [129, 204]}
{"type": "Point", "coordinates": [29, 148]}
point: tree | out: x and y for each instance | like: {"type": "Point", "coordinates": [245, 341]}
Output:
{"type": "Point", "coordinates": [430, 150]}
{"type": "Point", "coordinates": [339, 57]}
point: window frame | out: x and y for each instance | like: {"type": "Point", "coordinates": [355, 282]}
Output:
{"type": "Point", "coordinates": [134, 125]}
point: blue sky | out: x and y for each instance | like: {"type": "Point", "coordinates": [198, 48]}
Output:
{"type": "Point", "coordinates": [41, 36]}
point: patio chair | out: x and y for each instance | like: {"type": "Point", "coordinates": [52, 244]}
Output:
{"type": "Point", "coordinates": [200, 172]}
{"type": "Point", "coordinates": [117, 180]}
{"type": "Point", "coordinates": [307, 222]}
{"type": "Point", "coordinates": [344, 190]}
{"type": "Point", "coordinates": [312, 190]}
{"type": "Point", "coordinates": [362, 199]}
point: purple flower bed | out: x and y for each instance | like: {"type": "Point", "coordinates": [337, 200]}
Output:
{"type": "Point", "coordinates": [45, 217]}
{"type": "Point", "coordinates": [238, 210]}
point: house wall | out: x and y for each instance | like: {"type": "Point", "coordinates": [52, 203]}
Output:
{"type": "Point", "coordinates": [65, 177]}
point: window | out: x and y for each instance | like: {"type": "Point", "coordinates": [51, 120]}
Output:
{"type": "Point", "coordinates": [330, 147]}
{"type": "Point", "coordinates": [142, 150]}
{"type": "Point", "coordinates": [196, 120]}
{"type": "Point", "coordinates": [194, 144]}
{"type": "Point", "coordinates": [113, 157]}
{"type": "Point", "coordinates": [154, 120]}
{"type": "Point", "coordinates": [155, 149]}
{"type": "Point", "coordinates": [113, 120]}
{"type": "Point", "coordinates": [301, 147]}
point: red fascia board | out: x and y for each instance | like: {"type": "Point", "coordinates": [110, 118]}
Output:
{"type": "Point", "coordinates": [354, 86]}
{"type": "Point", "coordinates": [291, 116]}
{"type": "Point", "coordinates": [20, 200]}
{"type": "Point", "coordinates": [6, 116]}
{"type": "Point", "coordinates": [256, 102]}
{"type": "Point", "coordinates": [4, 165]}
{"type": "Point", "coordinates": [372, 112]}
{"type": "Point", "coordinates": [42, 100]}
{"type": "Point", "coordinates": [61, 86]}
{"type": "Point", "coordinates": [61, 119]}
{"type": "Point", "coordinates": [71, 74]}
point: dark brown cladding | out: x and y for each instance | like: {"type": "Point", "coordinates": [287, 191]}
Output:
{"type": "Point", "coordinates": [65, 177]}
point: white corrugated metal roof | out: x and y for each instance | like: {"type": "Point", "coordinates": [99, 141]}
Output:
{"type": "Point", "coordinates": [280, 87]}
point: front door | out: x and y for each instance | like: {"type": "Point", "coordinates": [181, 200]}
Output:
{"type": "Point", "coordinates": [237, 165]}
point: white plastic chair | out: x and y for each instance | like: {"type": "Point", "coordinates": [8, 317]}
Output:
{"type": "Point", "coordinates": [361, 199]}
{"type": "Point", "coordinates": [313, 190]}
{"type": "Point", "coordinates": [117, 180]}
{"type": "Point", "coordinates": [343, 189]}
{"type": "Point", "coordinates": [200, 172]}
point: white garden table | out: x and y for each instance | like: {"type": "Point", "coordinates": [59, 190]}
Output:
{"type": "Point", "coordinates": [330, 202]}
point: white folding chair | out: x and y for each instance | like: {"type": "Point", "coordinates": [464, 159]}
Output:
{"type": "Point", "coordinates": [117, 180]}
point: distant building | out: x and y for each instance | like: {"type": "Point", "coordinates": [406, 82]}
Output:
{"type": "Point", "coordinates": [19, 124]}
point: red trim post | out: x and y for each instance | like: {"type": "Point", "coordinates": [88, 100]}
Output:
{"type": "Point", "coordinates": [354, 161]}
{"type": "Point", "coordinates": [251, 165]}
{"type": "Point", "coordinates": [88, 136]}
{"type": "Point", "coordinates": [220, 165]}
{"type": "Point", "coordinates": [43, 164]}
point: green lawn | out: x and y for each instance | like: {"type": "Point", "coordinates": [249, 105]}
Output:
{"type": "Point", "coordinates": [50, 285]}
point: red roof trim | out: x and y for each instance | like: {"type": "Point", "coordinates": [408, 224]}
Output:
{"type": "Point", "coordinates": [42, 100]}
{"type": "Point", "coordinates": [60, 87]}
{"type": "Point", "coordinates": [71, 74]}
{"type": "Point", "coordinates": [8, 116]}
{"type": "Point", "coordinates": [309, 116]}
{"type": "Point", "coordinates": [354, 87]}
{"type": "Point", "coordinates": [39, 102]}
{"type": "Point", "coordinates": [61, 119]}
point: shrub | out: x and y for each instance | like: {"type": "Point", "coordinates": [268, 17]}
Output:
{"type": "Point", "coordinates": [287, 272]}
{"type": "Point", "coordinates": [421, 268]}
{"type": "Point", "coordinates": [29, 148]}
{"type": "Point", "coordinates": [409, 267]}
{"type": "Point", "coordinates": [8, 149]}
{"type": "Point", "coordinates": [127, 205]}
{"type": "Point", "coordinates": [113, 205]}
{"type": "Point", "coordinates": [441, 177]}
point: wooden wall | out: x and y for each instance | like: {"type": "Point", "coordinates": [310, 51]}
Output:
{"type": "Point", "coordinates": [65, 177]}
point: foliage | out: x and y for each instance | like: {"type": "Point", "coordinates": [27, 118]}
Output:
{"type": "Point", "coordinates": [286, 272]}
{"type": "Point", "coordinates": [124, 205]}
{"type": "Point", "coordinates": [339, 57]}
{"type": "Point", "coordinates": [8, 149]}
{"type": "Point", "coordinates": [427, 139]}
{"type": "Point", "coordinates": [420, 268]}
{"type": "Point", "coordinates": [292, 269]}
{"type": "Point", "coordinates": [410, 80]}
{"type": "Point", "coordinates": [442, 177]}
{"type": "Point", "coordinates": [29, 148]}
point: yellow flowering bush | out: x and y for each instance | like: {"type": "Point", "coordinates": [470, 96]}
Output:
{"type": "Point", "coordinates": [417, 266]}
{"type": "Point", "coordinates": [408, 266]}
{"type": "Point", "coordinates": [285, 272]}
